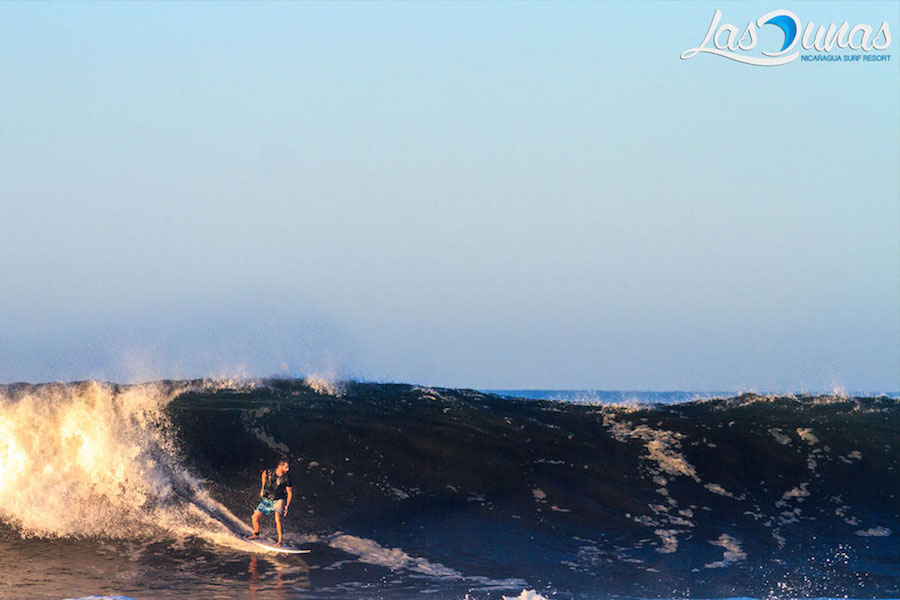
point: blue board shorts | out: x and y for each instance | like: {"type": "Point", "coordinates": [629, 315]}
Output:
{"type": "Point", "coordinates": [270, 507]}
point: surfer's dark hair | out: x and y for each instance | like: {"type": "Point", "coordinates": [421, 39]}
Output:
{"type": "Point", "coordinates": [284, 460]}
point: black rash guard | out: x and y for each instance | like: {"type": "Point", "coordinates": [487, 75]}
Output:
{"type": "Point", "coordinates": [276, 484]}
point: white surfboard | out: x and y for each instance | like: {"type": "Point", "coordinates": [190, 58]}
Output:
{"type": "Point", "coordinates": [271, 547]}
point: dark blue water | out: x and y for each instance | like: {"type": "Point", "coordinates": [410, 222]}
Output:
{"type": "Point", "coordinates": [611, 396]}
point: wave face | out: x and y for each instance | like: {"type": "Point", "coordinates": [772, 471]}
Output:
{"type": "Point", "coordinates": [402, 489]}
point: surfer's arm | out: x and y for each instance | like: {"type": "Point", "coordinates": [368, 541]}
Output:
{"type": "Point", "coordinates": [262, 488]}
{"type": "Point", "coordinates": [290, 493]}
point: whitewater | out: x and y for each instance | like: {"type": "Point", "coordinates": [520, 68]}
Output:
{"type": "Point", "coordinates": [145, 491]}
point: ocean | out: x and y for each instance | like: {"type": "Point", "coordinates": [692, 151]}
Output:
{"type": "Point", "coordinates": [144, 491]}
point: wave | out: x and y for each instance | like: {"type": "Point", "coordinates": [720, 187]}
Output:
{"type": "Point", "coordinates": [630, 497]}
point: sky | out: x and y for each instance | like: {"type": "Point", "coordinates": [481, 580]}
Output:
{"type": "Point", "coordinates": [537, 195]}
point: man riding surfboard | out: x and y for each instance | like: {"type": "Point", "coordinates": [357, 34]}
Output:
{"type": "Point", "coordinates": [276, 494]}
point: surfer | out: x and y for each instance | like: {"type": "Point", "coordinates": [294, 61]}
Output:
{"type": "Point", "coordinates": [276, 494]}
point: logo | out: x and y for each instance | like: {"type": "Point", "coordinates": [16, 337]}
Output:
{"type": "Point", "coordinates": [729, 41]}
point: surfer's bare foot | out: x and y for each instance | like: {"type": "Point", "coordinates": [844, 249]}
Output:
{"type": "Point", "coordinates": [278, 544]}
{"type": "Point", "coordinates": [254, 536]}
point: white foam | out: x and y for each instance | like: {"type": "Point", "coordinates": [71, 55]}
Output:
{"type": "Point", "coordinates": [371, 552]}
{"type": "Point", "coordinates": [779, 437]}
{"type": "Point", "coordinates": [94, 459]}
{"type": "Point", "coordinates": [668, 539]}
{"type": "Point", "coordinates": [670, 460]}
{"type": "Point", "coordinates": [807, 435]}
{"type": "Point", "coordinates": [262, 435]}
{"type": "Point", "coordinates": [715, 488]}
{"type": "Point", "coordinates": [326, 384]}
{"type": "Point", "coordinates": [851, 456]}
{"type": "Point", "coordinates": [842, 512]}
{"type": "Point", "coordinates": [663, 447]}
{"type": "Point", "coordinates": [879, 531]}
{"type": "Point", "coordinates": [103, 598]}
{"type": "Point", "coordinates": [797, 492]}
{"type": "Point", "coordinates": [526, 595]}
{"type": "Point", "coordinates": [733, 552]}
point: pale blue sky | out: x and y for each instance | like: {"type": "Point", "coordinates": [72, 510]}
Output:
{"type": "Point", "coordinates": [482, 195]}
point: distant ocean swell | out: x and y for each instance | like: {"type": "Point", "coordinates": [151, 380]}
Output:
{"type": "Point", "coordinates": [745, 496]}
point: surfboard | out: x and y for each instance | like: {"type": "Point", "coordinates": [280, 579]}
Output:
{"type": "Point", "coordinates": [271, 547]}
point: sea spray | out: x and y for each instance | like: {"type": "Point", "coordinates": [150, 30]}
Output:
{"type": "Point", "coordinates": [97, 459]}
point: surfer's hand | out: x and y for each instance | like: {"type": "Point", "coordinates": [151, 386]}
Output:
{"type": "Point", "coordinates": [284, 512]}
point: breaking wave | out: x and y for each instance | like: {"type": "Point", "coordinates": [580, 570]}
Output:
{"type": "Point", "coordinates": [640, 500]}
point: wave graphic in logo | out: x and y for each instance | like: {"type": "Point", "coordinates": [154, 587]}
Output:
{"type": "Point", "coordinates": [788, 26]}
